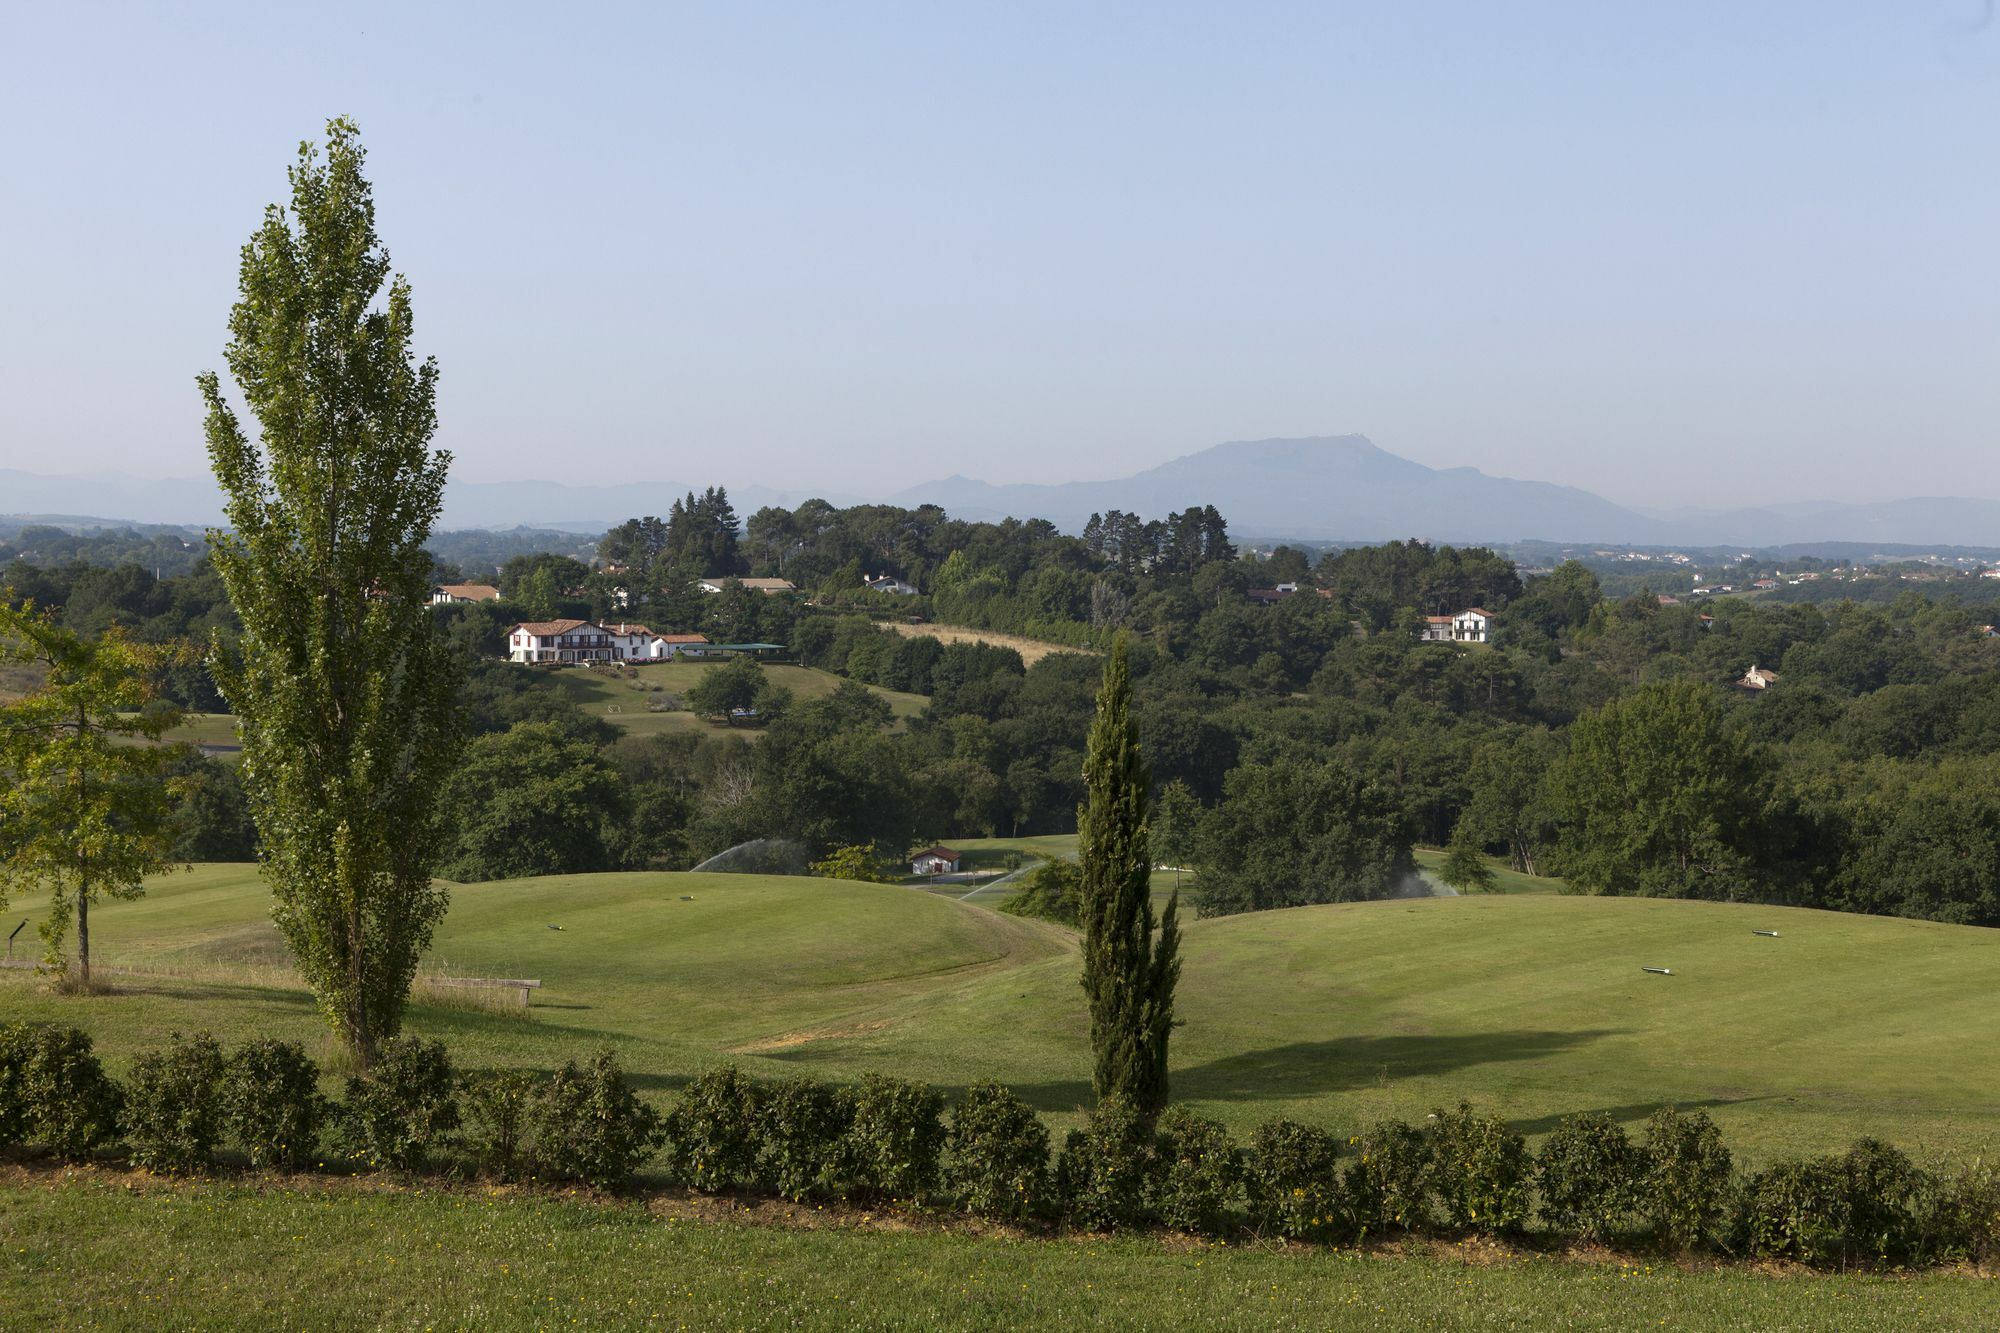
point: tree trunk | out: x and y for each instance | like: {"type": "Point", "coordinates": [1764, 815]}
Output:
{"type": "Point", "coordinates": [83, 930]}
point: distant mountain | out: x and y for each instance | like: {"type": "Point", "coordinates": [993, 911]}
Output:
{"type": "Point", "coordinates": [1339, 487]}
{"type": "Point", "coordinates": [1329, 488]}
{"type": "Point", "coordinates": [122, 498]}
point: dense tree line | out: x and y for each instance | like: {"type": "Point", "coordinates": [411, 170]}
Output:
{"type": "Point", "coordinates": [1318, 738]}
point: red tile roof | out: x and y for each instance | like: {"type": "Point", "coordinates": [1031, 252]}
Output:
{"type": "Point", "coordinates": [548, 629]}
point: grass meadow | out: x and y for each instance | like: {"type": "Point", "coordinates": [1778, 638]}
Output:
{"type": "Point", "coordinates": [114, 1253]}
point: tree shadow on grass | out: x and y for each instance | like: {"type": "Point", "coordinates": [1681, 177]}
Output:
{"type": "Point", "coordinates": [1632, 1114]}
{"type": "Point", "coordinates": [1303, 1069]}
{"type": "Point", "coordinates": [1342, 1064]}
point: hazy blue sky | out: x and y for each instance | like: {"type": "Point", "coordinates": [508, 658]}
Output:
{"type": "Point", "coordinates": [1683, 252]}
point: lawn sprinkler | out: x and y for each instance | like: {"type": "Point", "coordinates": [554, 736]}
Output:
{"type": "Point", "coordinates": [1658, 971]}
{"type": "Point", "coordinates": [1767, 934]}
{"type": "Point", "coordinates": [555, 927]}
{"type": "Point", "coordinates": [687, 897]}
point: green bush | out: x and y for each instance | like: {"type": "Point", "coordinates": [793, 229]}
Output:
{"type": "Point", "coordinates": [1893, 1206]}
{"type": "Point", "coordinates": [1588, 1176]}
{"type": "Point", "coordinates": [272, 1103]}
{"type": "Point", "coordinates": [1685, 1191]}
{"type": "Point", "coordinates": [589, 1125]}
{"type": "Point", "coordinates": [1292, 1179]}
{"type": "Point", "coordinates": [996, 1154]}
{"type": "Point", "coordinates": [1107, 1169]}
{"type": "Point", "coordinates": [1479, 1171]}
{"type": "Point", "coordinates": [1797, 1210]}
{"type": "Point", "coordinates": [496, 1114]}
{"type": "Point", "coordinates": [406, 1108]}
{"type": "Point", "coordinates": [68, 1104]}
{"type": "Point", "coordinates": [896, 1139]}
{"type": "Point", "coordinates": [14, 1117]}
{"type": "Point", "coordinates": [1199, 1176]}
{"type": "Point", "coordinates": [712, 1130]}
{"type": "Point", "coordinates": [802, 1129]}
{"type": "Point", "coordinates": [1388, 1184]}
{"type": "Point", "coordinates": [174, 1105]}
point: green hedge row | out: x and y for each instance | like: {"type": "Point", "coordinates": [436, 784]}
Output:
{"type": "Point", "coordinates": [1459, 1173]}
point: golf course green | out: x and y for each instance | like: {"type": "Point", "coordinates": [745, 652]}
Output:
{"type": "Point", "coordinates": [1534, 1005]}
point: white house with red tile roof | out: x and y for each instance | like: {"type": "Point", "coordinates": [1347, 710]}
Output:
{"type": "Point", "coordinates": [1437, 629]}
{"type": "Point", "coordinates": [560, 641]}
{"type": "Point", "coordinates": [1471, 626]}
{"type": "Point", "coordinates": [666, 646]}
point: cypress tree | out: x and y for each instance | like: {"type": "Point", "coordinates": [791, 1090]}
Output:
{"type": "Point", "coordinates": [1128, 977]}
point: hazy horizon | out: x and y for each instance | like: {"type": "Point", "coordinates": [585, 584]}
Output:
{"type": "Point", "coordinates": [1709, 256]}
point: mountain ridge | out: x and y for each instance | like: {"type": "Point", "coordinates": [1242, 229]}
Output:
{"type": "Point", "coordinates": [1322, 488]}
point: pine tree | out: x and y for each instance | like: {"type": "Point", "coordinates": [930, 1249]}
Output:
{"type": "Point", "coordinates": [346, 694]}
{"type": "Point", "coordinates": [1128, 977]}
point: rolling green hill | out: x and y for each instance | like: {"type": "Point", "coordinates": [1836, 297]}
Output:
{"type": "Point", "coordinates": [1535, 1005]}
{"type": "Point", "coordinates": [620, 696]}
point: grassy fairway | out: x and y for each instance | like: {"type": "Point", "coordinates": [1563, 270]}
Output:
{"type": "Point", "coordinates": [1506, 879]}
{"type": "Point", "coordinates": [619, 697]}
{"type": "Point", "coordinates": [217, 1256]}
{"type": "Point", "coordinates": [1534, 1005]}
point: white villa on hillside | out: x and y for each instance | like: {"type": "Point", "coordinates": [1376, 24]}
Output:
{"type": "Point", "coordinates": [887, 583]}
{"type": "Point", "coordinates": [1471, 626]}
{"type": "Point", "coordinates": [560, 641]}
{"type": "Point", "coordinates": [569, 641]}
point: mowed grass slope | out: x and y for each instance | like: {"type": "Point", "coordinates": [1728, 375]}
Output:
{"type": "Point", "coordinates": [1532, 1005]}
{"type": "Point", "coordinates": [620, 696]}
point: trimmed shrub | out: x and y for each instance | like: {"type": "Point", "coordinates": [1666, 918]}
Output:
{"type": "Point", "coordinates": [1479, 1171]}
{"type": "Point", "coordinates": [897, 1136]}
{"type": "Point", "coordinates": [69, 1105]}
{"type": "Point", "coordinates": [1797, 1210]}
{"type": "Point", "coordinates": [1200, 1173]}
{"type": "Point", "coordinates": [996, 1154]}
{"type": "Point", "coordinates": [1892, 1204]}
{"type": "Point", "coordinates": [14, 1115]}
{"type": "Point", "coordinates": [1106, 1171]}
{"type": "Point", "coordinates": [406, 1108]}
{"type": "Point", "coordinates": [802, 1129]}
{"type": "Point", "coordinates": [1292, 1180]}
{"type": "Point", "coordinates": [589, 1125]}
{"type": "Point", "coordinates": [1685, 1192]}
{"type": "Point", "coordinates": [496, 1117]}
{"type": "Point", "coordinates": [1588, 1175]}
{"type": "Point", "coordinates": [272, 1103]}
{"type": "Point", "coordinates": [174, 1106]}
{"type": "Point", "coordinates": [1388, 1184]}
{"type": "Point", "coordinates": [712, 1130]}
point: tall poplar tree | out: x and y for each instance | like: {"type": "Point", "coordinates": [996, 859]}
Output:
{"type": "Point", "coordinates": [345, 692]}
{"type": "Point", "coordinates": [1127, 975]}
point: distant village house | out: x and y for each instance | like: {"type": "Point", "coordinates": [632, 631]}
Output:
{"type": "Point", "coordinates": [889, 584]}
{"type": "Point", "coordinates": [935, 861]}
{"type": "Point", "coordinates": [1757, 678]}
